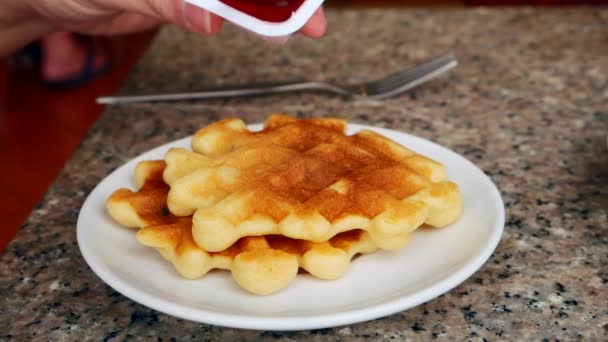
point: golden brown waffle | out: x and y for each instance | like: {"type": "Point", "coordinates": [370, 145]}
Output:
{"type": "Point", "coordinates": [307, 180]}
{"type": "Point", "coordinates": [147, 206]}
{"type": "Point", "coordinates": [260, 264]}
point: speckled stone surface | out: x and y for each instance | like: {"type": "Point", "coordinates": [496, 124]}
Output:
{"type": "Point", "coordinates": [529, 105]}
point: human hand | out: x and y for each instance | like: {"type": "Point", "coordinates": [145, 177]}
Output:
{"type": "Point", "coordinates": [106, 17]}
{"type": "Point", "coordinates": [23, 21]}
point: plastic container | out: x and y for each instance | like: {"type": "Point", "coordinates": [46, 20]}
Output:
{"type": "Point", "coordinates": [271, 18]}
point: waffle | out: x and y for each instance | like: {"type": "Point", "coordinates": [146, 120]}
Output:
{"type": "Point", "coordinates": [259, 264]}
{"type": "Point", "coordinates": [147, 206]}
{"type": "Point", "coordinates": [306, 180]}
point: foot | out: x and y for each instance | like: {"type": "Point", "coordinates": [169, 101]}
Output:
{"type": "Point", "coordinates": [64, 57]}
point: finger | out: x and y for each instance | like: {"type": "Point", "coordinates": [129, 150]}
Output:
{"type": "Point", "coordinates": [199, 20]}
{"type": "Point", "coordinates": [316, 25]}
{"type": "Point", "coordinates": [177, 12]}
{"type": "Point", "coordinates": [129, 23]}
{"type": "Point", "coordinates": [122, 23]}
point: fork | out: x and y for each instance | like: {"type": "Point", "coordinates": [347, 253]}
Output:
{"type": "Point", "coordinates": [379, 89]}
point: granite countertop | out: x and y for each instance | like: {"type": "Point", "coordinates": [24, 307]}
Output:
{"type": "Point", "coordinates": [529, 105]}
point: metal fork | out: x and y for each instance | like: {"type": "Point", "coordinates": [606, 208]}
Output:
{"type": "Point", "coordinates": [379, 89]}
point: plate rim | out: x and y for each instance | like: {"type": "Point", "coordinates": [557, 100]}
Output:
{"type": "Point", "coordinates": [308, 322]}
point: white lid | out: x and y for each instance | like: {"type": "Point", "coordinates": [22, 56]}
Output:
{"type": "Point", "coordinates": [265, 28]}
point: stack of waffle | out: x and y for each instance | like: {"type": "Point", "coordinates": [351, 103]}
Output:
{"type": "Point", "coordinates": [298, 194]}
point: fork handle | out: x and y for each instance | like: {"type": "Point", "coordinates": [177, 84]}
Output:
{"type": "Point", "coordinates": [225, 91]}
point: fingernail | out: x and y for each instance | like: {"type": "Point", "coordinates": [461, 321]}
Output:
{"type": "Point", "coordinates": [207, 22]}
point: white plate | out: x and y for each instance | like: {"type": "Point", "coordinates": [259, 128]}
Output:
{"type": "Point", "coordinates": [376, 285]}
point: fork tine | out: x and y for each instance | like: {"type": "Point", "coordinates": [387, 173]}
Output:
{"type": "Point", "coordinates": [419, 70]}
{"type": "Point", "coordinates": [404, 80]}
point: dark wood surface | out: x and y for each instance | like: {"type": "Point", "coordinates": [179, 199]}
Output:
{"type": "Point", "coordinates": [41, 127]}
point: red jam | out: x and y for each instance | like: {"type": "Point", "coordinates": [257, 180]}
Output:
{"type": "Point", "coordinates": [267, 10]}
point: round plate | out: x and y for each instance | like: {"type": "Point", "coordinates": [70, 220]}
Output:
{"type": "Point", "coordinates": [376, 285]}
